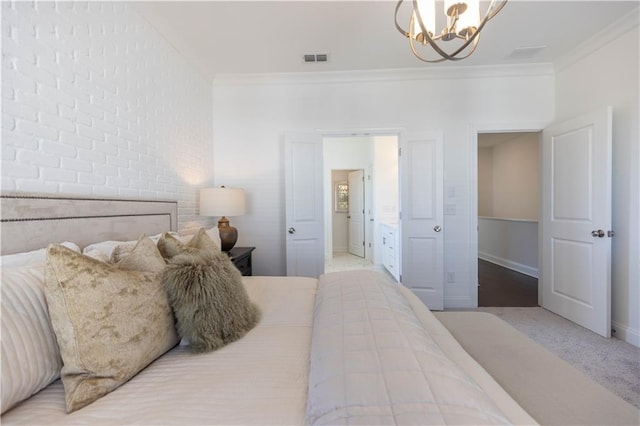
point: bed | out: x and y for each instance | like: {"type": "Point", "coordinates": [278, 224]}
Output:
{"type": "Point", "coordinates": [346, 348]}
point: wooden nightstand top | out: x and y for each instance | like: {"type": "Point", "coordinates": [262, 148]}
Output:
{"type": "Point", "coordinates": [239, 252]}
{"type": "Point", "coordinates": [241, 258]}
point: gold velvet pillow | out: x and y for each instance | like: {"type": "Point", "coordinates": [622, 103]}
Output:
{"type": "Point", "coordinates": [170, 246]}
{"type": "Point", "coordinates": [110, 322]}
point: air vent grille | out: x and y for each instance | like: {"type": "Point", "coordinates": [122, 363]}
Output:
{"type": "Point", "coordinates": [527, 52]}
{"type": "Point", "coordinates": [320, 57]}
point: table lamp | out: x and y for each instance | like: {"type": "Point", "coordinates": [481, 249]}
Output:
{"type": "Point", "coordinates": [223, 202]}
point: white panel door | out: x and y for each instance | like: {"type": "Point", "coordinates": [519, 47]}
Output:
{"type": "Point", "coordinates": [576, 218]}
{"type": "Point", "coordinates": [355, 217]}
{"type": "Point", "coordinates": [421, 175]}
{"type": "Point", "coordinates": [304, 222]}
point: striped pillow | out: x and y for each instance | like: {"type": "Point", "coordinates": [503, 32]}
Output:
{"type": "Point", "coordinates": [30, 355]}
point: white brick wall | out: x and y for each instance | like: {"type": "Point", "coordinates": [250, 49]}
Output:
{"type": "Point", "coordinates": [96, 102]}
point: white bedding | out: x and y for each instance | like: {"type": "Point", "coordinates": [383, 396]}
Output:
{"type": "Point", "coordinates": [260, 379]}
{"type": "Point", "coordinates": [373, 362]}
{"type": "Point", "coordinates": [265, 377]}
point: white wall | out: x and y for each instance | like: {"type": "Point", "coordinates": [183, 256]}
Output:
{"type": "Point", "coordinates": [485, 181]}
{"type": "Point", "coordinates": [386, 187]}
{"type": "Point", "coordinates": [386, 179]}
{"type": "Point", "coordinates": [516, 178]}
{"type": "Point", "coordinates": [509, 243]}
{"type": "Point", "coordinates": [253, 113]}
{"type": "Point", "coordinates": [96, 102]}
{"type": "Point", "coordinates": [509, 178]}
{"type": "Point", "coordinates": [609, 76]}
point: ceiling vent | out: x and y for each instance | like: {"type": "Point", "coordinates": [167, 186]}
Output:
{"type": "Point", "coordinates": [525, 52]}
{"type": "Point", "coordinates": [321, 57]}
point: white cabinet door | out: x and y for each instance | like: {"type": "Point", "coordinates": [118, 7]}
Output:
{"type": "Point", "coordinates": [390, 249]}
{"type": "Point", "coordinates": [355, 217]}
{"type": "Point", "coordinates": [304, 223]}
{"type": "Point", "coordinates": [576, 217]}
{"type": "Point", "coordinates": [421, 175]}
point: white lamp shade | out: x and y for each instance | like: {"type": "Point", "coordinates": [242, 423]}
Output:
{"type": "Point", "coordinates": [222, 202]}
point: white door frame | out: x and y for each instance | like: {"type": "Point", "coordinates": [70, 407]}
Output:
{"type": "Point", "coordinates": [513, 127]}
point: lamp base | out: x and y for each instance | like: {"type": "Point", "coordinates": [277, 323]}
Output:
{"type": "Point", "coordinates": [228, 234]}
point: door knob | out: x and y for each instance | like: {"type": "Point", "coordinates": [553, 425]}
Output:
{"type": "Point", "coordinates": [597, 234]}
{"type": "Point", "coordinates": [437, 228]}
{"type": "Point", "coordinates": [292, 230]}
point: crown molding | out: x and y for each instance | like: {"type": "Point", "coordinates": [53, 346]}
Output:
{"type": "Point", "coordinates": [607, 35]}
{"type": "Point", "coordinates": [402, 74]}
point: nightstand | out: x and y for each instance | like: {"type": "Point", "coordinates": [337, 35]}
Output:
{"type": "Point", "coordinates": [241, 258]}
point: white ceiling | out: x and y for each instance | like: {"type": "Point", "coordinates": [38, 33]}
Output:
{"type": "Point", "coordinates": [240, 37]}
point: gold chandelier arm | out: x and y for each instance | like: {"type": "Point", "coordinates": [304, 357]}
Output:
{"type": "Point", "coordinates": [491, 13]}
{"type": "Point", "coordinates": [395, 17]}
{"type": "Point", "coordinates": [444, 55]}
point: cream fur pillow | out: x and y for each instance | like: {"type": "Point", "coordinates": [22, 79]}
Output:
{"type": "Point", "coordinates": [109, 322]}
{"type": "Point", "coordinates": [170, 246]}
{"type": "Point", "coordinates": [211, 305]}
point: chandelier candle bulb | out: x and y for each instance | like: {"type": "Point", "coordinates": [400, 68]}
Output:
{"type": "Point", "coordinates": [427, 11]}
{"type": "Point", "coordinates": [469, 21]}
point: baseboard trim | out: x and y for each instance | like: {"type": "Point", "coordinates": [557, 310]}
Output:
{"type": "Point", "coordinates": [510, 264]}
{"type": "Point", "coordinates": [626, 333]}
{"type": "Point", "coordinates": [459, 303]}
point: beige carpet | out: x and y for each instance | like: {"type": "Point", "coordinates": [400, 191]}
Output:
{"type": "Point", "coordinates": [613, 363]}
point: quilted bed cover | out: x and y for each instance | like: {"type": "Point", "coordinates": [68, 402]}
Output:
{"type": "Point", "coordinates": [376, 360]}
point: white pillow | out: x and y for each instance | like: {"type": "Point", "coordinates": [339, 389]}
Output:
{"type": "Point", "coordinates": [30, 355]}
{"type": "Point", "coordinates": [114, 251]}
{"type": "Point", "coordinates": [35, 256]}
{"type": "Point", "coordinates": [98, 255]}
{"type": "Point", "coordinates": [214, 233]}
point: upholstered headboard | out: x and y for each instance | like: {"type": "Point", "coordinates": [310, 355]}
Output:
{"type": "Point", "coordinates": [32, 221]}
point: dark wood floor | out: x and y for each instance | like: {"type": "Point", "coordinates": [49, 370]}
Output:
{"type": "Point", "coordinates": [500, 286]}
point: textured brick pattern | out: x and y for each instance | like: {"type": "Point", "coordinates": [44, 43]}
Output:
{"type": "Point", "coordinates": [95, 101]}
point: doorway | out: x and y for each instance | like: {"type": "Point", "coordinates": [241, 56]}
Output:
{"type": "Point", "coordinates": [508, 206]}
{"type": "Point", "coordinates": [360, 192]}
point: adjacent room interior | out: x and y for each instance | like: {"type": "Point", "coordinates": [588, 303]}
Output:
{"type": "Point", "coordinates": [361, 202]}
{"type": "Point", "coordinates": [508, 208]}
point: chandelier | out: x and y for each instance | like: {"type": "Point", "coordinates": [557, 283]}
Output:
{"type": "Point", "coordinates": [463, 24]}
